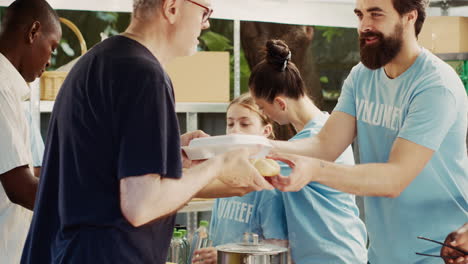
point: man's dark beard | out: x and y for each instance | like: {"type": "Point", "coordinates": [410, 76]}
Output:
{"type": "Point", "coordinates": [377, 55]}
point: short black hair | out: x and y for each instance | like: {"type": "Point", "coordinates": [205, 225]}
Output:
{"type": "Point", "coordinates": [22, 13]}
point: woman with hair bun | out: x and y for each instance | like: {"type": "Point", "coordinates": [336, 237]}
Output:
{"type": "Point", "coordinates": [323, 223]}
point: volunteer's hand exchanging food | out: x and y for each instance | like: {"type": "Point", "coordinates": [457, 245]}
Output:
{"type": "Point", "coordinates": [266, 167]}
{"type": "Point", "coordinates": [184, 141]}
{"type": "Point", "coordinates": [303, 171]}
{"type": "Point", "coordinates": [238, 171]}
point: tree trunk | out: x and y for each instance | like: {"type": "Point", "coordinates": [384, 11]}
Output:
{"type": "Point", "coordinates": [254, 35]}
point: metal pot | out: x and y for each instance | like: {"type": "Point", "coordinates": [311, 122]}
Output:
{"type": "Point", "coordinates": [251, 252]}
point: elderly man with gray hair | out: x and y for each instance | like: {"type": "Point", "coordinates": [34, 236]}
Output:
{"type": "Point", "coordinates": [112, 174]}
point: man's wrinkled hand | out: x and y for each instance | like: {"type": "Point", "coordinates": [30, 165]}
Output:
{"type": "Point", "coordinates": [238, 171]}
{"type": "Point", "coordinates": [187, 137]}
{"type": "Point", "coordinates": [184, 141]}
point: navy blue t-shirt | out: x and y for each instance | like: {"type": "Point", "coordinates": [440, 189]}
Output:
{"type": "Point", "coordinates": [114, 117]}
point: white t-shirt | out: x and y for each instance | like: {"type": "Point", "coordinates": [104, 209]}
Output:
{"type": "Point", "coordinates": [15, 152]}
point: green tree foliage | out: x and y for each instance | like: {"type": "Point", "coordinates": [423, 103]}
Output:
{"type": "Point", "coordinates": [93, 25]}
{"type": "Point", "coordinates": [335, 53]}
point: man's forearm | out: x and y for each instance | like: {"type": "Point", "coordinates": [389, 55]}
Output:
{"type": "Point", "coordinates": [311, 147]}
{"type": "Point", "coordinates": [218, 189]}
{"type": "Point", "coordinates": [335, 136]}
{"type": "Point", "coordinates": [373, 179]}
{"type": "Point", "coordinates": [149, 197]}
{"type": "Point", "coordinates": [28, 196]}
{"type": "Point", "coordinates": [37, 171]}
{"type": "Point", "coordinates": [192, 182]}
{"type": "Point", "coordinates": [405, 162]}
{"type": "Point", "coordinates": [20, 186]}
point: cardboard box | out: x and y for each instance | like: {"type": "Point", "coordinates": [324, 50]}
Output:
{"type": "Point", "coordinates": [203, 77]}
{"type": "Point", "coordinates": [445, 34]}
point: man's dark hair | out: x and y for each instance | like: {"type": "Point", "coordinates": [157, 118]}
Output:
{"type": "Point", "coordinates": [22, 13]}
{"type": "Point", "coordinates": [406, 6]}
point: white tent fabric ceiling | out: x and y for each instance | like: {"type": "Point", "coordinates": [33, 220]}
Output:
{"type": "Point", "coordinates": [307, 12]}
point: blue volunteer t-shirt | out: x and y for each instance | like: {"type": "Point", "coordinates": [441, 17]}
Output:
{"type": "Point", "coordinates": [323, 223]}
{"type": "Point", "coordinates": [114, 117]}
{"type": "Point", "coordinates": [427, 105]}
{"type": "Point", "coordinates": [260, 212]}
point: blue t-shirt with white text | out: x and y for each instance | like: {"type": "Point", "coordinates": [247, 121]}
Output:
{"type": "Point", "coordinates": [426, 105]}
{"type": "Point", "coordinates": [257, 212]}
{"type": "Point", "coordinates": [323, 223]}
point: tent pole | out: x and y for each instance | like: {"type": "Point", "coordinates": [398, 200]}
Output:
{"type": "Point", "coordinates": [236, 58]}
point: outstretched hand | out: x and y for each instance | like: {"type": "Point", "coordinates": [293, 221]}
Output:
{"type": "Point", "coordinates": [303, 171]}
{"type": "Point", "coordinates": [238, 171]}
{"type": "Point", "coordinates": [184, 141]}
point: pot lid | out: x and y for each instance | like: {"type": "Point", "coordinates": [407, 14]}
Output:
{"type": "Point", "coordinates": [259, 249]}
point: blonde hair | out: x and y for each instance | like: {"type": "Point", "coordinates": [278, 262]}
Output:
{"type": "Point", "coordinates": [247, 101]}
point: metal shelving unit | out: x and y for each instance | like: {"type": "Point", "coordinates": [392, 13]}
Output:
{"type": "Point", "coordinates": [191, 109]}
{"type": "Point", "coordinates": [198, 205]}
{"type": "Point", "coordinates": [47, 106]}
{"type": "Point", "coordinates": [453, 56]}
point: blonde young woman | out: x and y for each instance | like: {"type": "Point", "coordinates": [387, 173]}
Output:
{"type": "Point", "coordinates": [323, 223]}
{"type": "Point", "coordinates": [257, 212]}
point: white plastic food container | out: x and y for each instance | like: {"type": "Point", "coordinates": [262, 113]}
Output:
{"type": "Point", "coordinates": [208, 147]}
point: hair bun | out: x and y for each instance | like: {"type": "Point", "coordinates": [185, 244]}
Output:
{"type": "Point", "coordinates": [277, 54]}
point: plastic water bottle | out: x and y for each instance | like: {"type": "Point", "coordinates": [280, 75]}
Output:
{"type": "Point", "coordinates": [200, 238]}
{"type": "Point", "coordinates": [169, 252]}
{"type": "Point", "coordinates": [186, 244]}
{"type": "Point", "coordinates": [177, 253]}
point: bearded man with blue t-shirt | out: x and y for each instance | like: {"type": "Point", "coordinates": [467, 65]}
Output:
{"type": "Point", "coordinates": [408, 111]}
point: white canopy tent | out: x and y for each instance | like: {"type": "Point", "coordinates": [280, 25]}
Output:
{"type": "Point", "coordinates": [337, 13]}
{"type": "Point", "coordinates": [334, 13]}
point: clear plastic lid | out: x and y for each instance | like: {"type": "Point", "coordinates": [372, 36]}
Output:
{"type": "Point", "coordinates": [260, 249]}
{"type": "Point", "coordinates": [208, 147]}
{"type": "Point", "coordinates": [251, 247]}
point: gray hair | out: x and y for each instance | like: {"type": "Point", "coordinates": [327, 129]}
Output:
{"type": "Point", "coordinates": [145, 8]}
